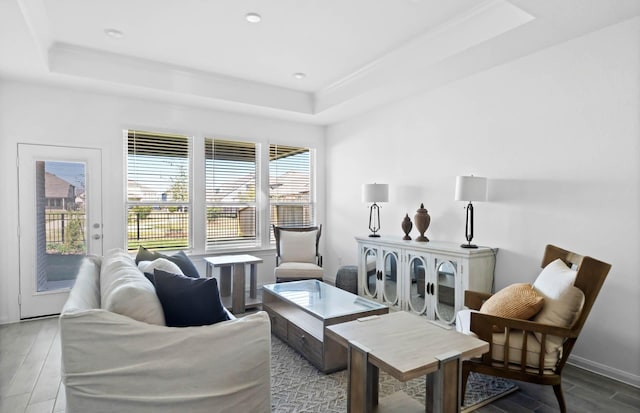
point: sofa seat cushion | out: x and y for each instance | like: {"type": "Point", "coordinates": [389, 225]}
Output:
{"type": "Point", "coordinates": [188, 301]}
{"type": "Point", "coordinates": [516, 341]}
{"type": "Point", "coordinates": [125, 290]}
{"type": "Point", "coordinates": [298, 270]}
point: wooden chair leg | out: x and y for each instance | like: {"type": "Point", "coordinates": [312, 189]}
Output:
{"type": "Point", "coordinates": [557, 389]}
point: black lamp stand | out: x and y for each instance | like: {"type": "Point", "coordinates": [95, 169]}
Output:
{"type": "Point", "coordinates": [469, 228]}
{"type": "Point", "coordinates": [374, 220]}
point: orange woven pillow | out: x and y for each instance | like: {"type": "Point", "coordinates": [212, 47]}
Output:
{"type": "Point", "coordinates": [519, 301]}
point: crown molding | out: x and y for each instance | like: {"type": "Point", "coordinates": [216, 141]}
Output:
{"type": "Point", "coordinates": [485, 22]}
{"type": "Point", "coordinates": [116, 68]}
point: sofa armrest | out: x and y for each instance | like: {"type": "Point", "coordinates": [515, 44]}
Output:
{"type": "Point", "coordinates": [111, 363]}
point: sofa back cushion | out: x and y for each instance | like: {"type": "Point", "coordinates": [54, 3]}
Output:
{"type": "Point", "coordinates": [85, 294]}
{"type": "Point", "coordinates": [125, 290]}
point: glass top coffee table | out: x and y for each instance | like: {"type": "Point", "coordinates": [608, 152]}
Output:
{"type": "Point", "coordinates": [300, 311]}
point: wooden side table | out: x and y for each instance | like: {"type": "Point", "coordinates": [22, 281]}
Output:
{"type": "Point", "coordinates": [232, 279]}
{"type": "Point", "coordinates": [406, 346]}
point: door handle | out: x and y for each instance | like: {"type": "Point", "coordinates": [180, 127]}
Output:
{"type": "Point", "coordinates": [96, 236]}
{"type": "Point", "coordinates": [430, 288]}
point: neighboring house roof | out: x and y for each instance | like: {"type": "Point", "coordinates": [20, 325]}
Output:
{"type": "Point", "coordinates": [138, 192]}
{"type": "Point", "coordinates": [291, 185]}
{"type": "Point", "coordinates": [56, 187]}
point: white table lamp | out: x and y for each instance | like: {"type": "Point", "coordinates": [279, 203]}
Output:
{"type": "Point", "coordinates": [375, 193]}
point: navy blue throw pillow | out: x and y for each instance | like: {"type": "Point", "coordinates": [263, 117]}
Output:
{"type": "Point", "coordinates": [179, 258]}
{"type": "Point", "coordinates": [185, 264]}
{"type": "Point", "coordinates": [188, 301]}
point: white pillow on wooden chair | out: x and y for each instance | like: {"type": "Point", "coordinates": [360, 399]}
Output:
{"type": "Point", "coordinates": [298, 246]}
{"type": "Point", "coordinates": [562, 301]}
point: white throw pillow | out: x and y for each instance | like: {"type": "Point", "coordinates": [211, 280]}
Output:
{"type": "Point", "coordinates": [562, 301]}
{"type": "Point", "coordinates": [161, 264]}
{"type": "Point", "coordinates": [298, 246]}
{"type": "Point", "coordinates": [554, 279]}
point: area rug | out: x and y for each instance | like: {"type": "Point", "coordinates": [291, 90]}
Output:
{"type": "Point", "coordinates": [297, 386]}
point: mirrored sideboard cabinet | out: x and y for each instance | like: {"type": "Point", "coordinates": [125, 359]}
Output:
{"type": "Point", "coordinates": [426, 278]}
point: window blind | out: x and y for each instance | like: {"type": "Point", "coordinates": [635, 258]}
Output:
{"type": "Point", "coordinates": [290, 197]}
{"type": "Point", "coordinates": [158, 190]}
{"type": "Point", "coordinates": [230, 190]}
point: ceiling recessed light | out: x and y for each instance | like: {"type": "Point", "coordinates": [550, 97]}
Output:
{"type": "Point", "coordinates": [114, 33]}
{"type": "Point", "coordinates": [253, 17]}
{"type": "Point", "coordinates": [299, 75]}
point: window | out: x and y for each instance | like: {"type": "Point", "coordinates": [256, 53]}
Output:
{"type": "Point", "coordinates": [210, 194]}
{"type": "Point", "coordinates": [290, 192]}
{"type": "Point", "coordinates": [158, 190]}
{"type": "Point", "coordinates": [230, 182]}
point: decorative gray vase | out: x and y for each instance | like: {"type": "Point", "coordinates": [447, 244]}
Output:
{"type": "Point", "coordinates": [422, 220]}
{"type": "Point", "coordinates": [406, 227]}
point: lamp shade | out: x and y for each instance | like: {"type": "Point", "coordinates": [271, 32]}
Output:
{"type": "Point", "coordinates": [471, 188]}
{"type": "Point", "coordinates": [375, 193]}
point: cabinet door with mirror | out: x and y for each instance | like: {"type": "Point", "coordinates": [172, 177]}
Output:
{"type": "Point", "coordinates": [418, 284]}
{"type": "Point", "coordinates": [447, 282]}
{"type": "Point", "coordinates": [370, 265]}
{"type": "Point", "coordinates": [390, 277]}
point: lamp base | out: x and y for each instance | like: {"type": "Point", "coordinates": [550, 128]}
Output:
{"type": "Point", "coordinates": [374, 235]}
{"type": "Point", "coordinates": [468, 246]}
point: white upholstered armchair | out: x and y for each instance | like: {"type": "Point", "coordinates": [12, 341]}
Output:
{"type": "Point", "coordinates": [297, 255]}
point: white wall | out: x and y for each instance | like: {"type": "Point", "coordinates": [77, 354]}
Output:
{"type": "Point", "coordinates": [47, 115]}
{"type": "Point", "coordinates": [556, 133]}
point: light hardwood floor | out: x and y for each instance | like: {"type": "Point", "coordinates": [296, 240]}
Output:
{"type": "Point", "coordinates": [30, 379]}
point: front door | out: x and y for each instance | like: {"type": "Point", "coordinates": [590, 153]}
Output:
{"type": "Point", "coordinates": [60, 210]}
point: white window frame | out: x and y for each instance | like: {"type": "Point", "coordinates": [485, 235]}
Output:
{"type": "Point", "coordinates": [197, 180]}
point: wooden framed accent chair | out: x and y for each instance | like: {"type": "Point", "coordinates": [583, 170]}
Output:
{"type": "Point", "coordinates": [535, 347]}
{"type": "Point", "coordinates": [297, 254]}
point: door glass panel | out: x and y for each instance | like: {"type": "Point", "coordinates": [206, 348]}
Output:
{"type": "Point", "coordinates": [418, 286]}
{"type": "Point", "coordinates": [390, 277]}
{"type": "Point", "coordinates": [61, 223]}
{"type": "Point", "coordinates": [446, 275]}
{"type": "Point", "coordinates": [370, 269]}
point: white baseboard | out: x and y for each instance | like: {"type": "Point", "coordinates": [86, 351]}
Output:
{"type": "Point", "coordinates": [612, 373]}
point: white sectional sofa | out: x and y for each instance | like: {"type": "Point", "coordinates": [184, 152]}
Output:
{"type": "Point", "coordinates": [114, 363]}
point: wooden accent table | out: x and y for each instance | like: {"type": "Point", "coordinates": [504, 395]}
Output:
{"type": "Point", "coordinates": [406, 346]}
{"type": "Point", "coordinates": [235, 264]}
{"type": "Point", "coordinates": [301, 310]}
